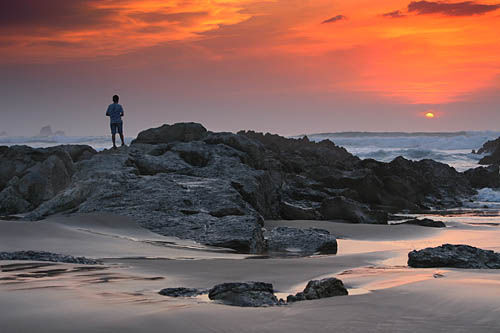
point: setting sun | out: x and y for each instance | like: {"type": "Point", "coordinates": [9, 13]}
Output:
{"type": "Point", "coordinates": [430, 115]}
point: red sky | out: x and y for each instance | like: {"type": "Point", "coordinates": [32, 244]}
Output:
{"type": "Point", "coordinates": [272, 65]}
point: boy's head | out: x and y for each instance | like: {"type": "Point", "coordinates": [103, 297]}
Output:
{"type": "Point", "coordinates": [116, 98]}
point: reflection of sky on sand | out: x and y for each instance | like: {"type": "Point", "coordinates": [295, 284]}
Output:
{"type": "Point", "coordinates": [474, 230]}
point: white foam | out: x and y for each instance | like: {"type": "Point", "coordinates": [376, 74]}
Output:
{"type": "Point", "coordinates": [488, 195]}
{"type": "Point", "coordinates": [450, 148]}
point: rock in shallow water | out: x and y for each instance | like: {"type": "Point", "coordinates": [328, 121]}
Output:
{"type": "Point", "coordinates": [425, 223]}
{"type": "Point", "coordinates": [317, 289]}
{"type": "Point", "coordinates": [245, 294]}
{"type": "Point", "coordinates": [457, 256]}
{"type": "Point", "coordinates": [301, 241]}
{"type": "Point", "coordinates": [47, 256]}
{"type": "Point", "coordinates": [182, 292]}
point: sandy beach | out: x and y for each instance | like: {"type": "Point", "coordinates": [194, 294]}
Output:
{"type": "Point", "coordinates": [122, 294]}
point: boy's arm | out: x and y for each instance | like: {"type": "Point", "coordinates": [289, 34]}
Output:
{"type": "Point", "coordinates": [107, 112]}
{"type": "Point", "coordinates": [122, 113]}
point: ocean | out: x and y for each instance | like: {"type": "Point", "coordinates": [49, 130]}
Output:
{"type": "Point", "coordinates": [452, 148]}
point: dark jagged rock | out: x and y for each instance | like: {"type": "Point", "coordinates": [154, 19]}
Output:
{"type": "Point", "coordinates": [47, 256]}
{"type": "Point", "coordinates": [458, 256]}
{"type": "Point", "coordinates": [182, 292]}
{"type": "Point", "coordinates": [183, 132]}
{"type": "Point", "coordinates": [244, 294]}
{"type": "Point", "coordinates": [216, 188]}
{"type": "Point", "coordinates": [425, 223]}
{"type": "Point", "coordinates": [29, 177]}
{"type": "Point", "coordinates": [317, 289]}
{"type": "Point", "coordinates": [302, 241]}
{"type": "Point", "coordinates": [493, 149]}
{"type": "Point", "coordinates": [484, 176]}
{"type": "Point", "coordinates": [341, 208]}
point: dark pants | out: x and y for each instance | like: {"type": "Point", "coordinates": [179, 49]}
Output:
{"type": "Point", "coordinates": [116, 128]}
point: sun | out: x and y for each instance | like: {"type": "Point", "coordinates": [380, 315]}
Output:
{"type": "Point", "coordinates": [430, 115]}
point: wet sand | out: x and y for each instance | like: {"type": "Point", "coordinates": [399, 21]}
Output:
{"type": "Point", "coordinates": [122, 294]}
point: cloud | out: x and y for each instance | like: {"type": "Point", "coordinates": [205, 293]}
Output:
{"type": "Point", "coordinates": [466, 8]}
{"type": "Point", "coordinates": [394, 14]}
{"type": "Point", "coordinates": [56, 14]}
{"type": "Point", "coordinates": [334, 19]}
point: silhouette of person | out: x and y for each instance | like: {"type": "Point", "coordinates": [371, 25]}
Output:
{"type": "Point", "coordinates": [115, 114]}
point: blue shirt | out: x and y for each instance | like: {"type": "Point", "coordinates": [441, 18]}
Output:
{"type": "Point", "coordinates": [115, 113]}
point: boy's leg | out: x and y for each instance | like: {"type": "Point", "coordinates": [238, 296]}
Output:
{"type": "Point", "coordinates": [120, 131]}
{"type": "Point", "coordinates": [113, 134]}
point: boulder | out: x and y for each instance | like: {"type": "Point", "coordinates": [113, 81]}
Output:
{"type": "Point", "coordinates": [244, 294]}
{"type": "Point", "coordinates": [425, 223]}
{"type": "Point", "coordinates": [342, 208]}
{"type": "Point", "coordinates": [457, 256]}
{"type": "Point", "coordinates": [300, 241]}
{"type": "Point", "coordinates": [182, 292]}
{"type": "Point", "coordinates": [47, 256]}
{"type": "Point", "coordinates": [317, 289]}
{"type": "Point", "coordinates": [183, 132]}
{"type": "Point", "coordinates": [484, 176]}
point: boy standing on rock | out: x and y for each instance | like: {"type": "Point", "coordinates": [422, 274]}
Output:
{"type": "Point", "coordinates": [115, 114]}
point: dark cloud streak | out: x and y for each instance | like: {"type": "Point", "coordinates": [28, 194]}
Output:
{"type": "Point", "coordinates": [394, 14]}
{"type": "Point", "coordinates": [466, 8]}
{"type": "Point", "coordinates": [334, 19]}
{"type": "Point", "coordinates": [53, 14]}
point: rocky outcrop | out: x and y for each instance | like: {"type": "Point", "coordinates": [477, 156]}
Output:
{"type": "Point", "coordinates": [493, 149]}
{"type": "Point", "coordinates": [216, 188]}
{"type": "Point", "coordinates": [458, 256]}
{"type": "Point", "coordinates": [484, 176]}
{"type": "Point", "coordinates": [30, 177]}
{"type": "Point", "coordinates": [183, 132]}
{"type": "Point", "coordinates": [317, 289]}
{"type": "Point", "coordinates": [300, 241]}
{"type": "Point", "coordinates": [425, 223]}
{"type": "Point", "coordinates": [244, 294]}
{"type": "Point", "coordinates": [183, 292]}
{"type": "Point", "coordinates": [47, 256]}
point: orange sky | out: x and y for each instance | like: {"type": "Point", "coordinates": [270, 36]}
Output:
{"type": "Point", "coordinates": [426, 52]}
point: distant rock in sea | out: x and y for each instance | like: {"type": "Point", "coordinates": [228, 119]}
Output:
{"type": "Point", "coordinates": [46, 131]}
{"type": "Point", "coordinates": [3, 133]}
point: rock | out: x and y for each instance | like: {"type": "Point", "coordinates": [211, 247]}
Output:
{"type": "Point", "coordinates": [45, 131]}
{"type": "Point", "coordinates": [59, 133]}
{"type": "Point", "coordinates": [3, 133]}
{"type": "Point", "coordinates": [170, 133]}
{"type": "Point", "coordinates": [425, 223]}
{"type": "Point", "coordinates": [317, 289]}
{"type": "Point", "coordinates": [301, 241]}
{"type": "Point", "coordinates": [182, 292]}
{"type": "Point", "coordinates": [457, 256]}
{"type": "Point", "coordinates": [47, 256]}
{"type": "Point", "coordinates": [484, 176]}
{"type": "Point", "coordinates": [244, 294]}
{"type": "Point", "coordinates": [341, 208]}
{"type": "Point", "coordinates": [489, 146]}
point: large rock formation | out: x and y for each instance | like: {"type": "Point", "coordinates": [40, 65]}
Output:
{"type": "Point", "coordinates": [216, 188]}
{"type": "Point", "coordinates": [458, 256]}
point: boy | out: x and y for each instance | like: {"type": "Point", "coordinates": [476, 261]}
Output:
{"type": "Point", "coordinates": [115, 114]}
